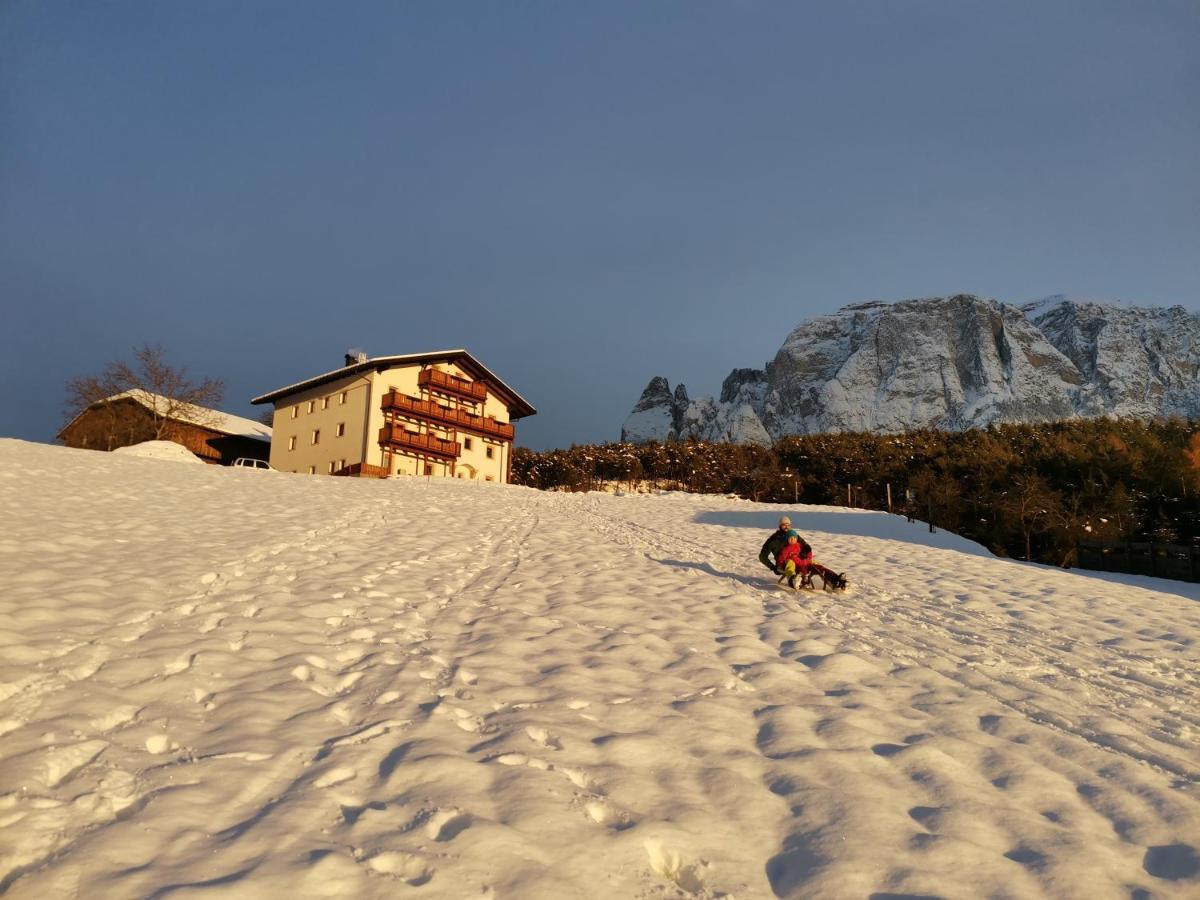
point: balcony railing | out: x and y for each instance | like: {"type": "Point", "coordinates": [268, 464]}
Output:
{"type": "Point", "coordinates": [452, 384]}
{"type": "Point", "coordinates": [396, 402]}
{"type": "Point", "coordinates": [425, 443]}
{"type": "Point", "coordinates": [363, 470]}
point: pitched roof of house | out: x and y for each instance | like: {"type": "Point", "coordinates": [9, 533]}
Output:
{"type": "Point", "coordinates": [518, 406]}
{"type": "Point", "coordinates": [189, 413]}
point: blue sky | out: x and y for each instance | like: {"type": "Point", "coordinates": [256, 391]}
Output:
{"type": "Point", "coordinates": [584, 195]}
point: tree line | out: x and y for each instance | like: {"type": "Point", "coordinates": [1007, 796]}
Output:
{"type": "Point", "coordinates": [1025, 491]}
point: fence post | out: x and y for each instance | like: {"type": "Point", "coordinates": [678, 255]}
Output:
{"type": "Point", "coordinates": [889, 496]}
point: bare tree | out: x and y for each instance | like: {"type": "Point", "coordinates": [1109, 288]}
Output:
{"type": "Point", "coordinates": [1030, 503]}
{"type": "Point", "coordinates": [164, 390]}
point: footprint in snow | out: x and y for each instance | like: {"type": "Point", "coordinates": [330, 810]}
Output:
{"type": "Point", "coordinates": [406, 866]}
{"type": "Point", "coordinates": [543, 738]}
{"type": "Point", "coordinates": [180, 665]}
{"type": "Point", "coordinates": [447, 824]}
{"type": "Point", "coordinates": [335, 776]}
{"type": "Point", "coordinates": [603, 813]}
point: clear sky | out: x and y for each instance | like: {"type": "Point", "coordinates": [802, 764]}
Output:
{"type": "Point", "coordinates": [582, 194]}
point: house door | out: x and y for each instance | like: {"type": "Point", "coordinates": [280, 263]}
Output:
{"type": "Point", "coordinates": [428, 468]}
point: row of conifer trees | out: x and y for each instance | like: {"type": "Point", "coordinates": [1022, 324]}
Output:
{"type": "Point", "coordinates": [1026, 491]}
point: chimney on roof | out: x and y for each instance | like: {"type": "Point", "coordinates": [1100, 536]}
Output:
{"type": "Point", "coordinates": [354, 355]}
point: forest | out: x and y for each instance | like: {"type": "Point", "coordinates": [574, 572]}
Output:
{"type": "Point", "coordinates": [1029, 491]}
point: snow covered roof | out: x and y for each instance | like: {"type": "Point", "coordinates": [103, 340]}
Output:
{"type": "Point", "coordinates": [195, 415]}
{"type": "Point", "coordinates": [519, 407]}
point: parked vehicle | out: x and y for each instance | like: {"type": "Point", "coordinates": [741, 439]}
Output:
{"type": "Point", "coordinates": [245, 462]}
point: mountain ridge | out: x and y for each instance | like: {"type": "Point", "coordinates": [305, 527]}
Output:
{"type": "Point", "coordinates": [954, 362]}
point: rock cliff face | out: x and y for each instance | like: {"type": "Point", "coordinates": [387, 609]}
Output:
{"type": "Point", "coordinates": [945, 362]}
{"type": "Point", "coordinates": [653, 417]}
{"type": "Point", "coordinates": [1133, 361]}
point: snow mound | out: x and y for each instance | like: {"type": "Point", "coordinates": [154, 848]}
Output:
{"type": "Point", "coordinates": [168, 450]}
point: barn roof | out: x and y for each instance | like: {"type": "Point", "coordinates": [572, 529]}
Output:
{"type": "Point", "coordinates": [190, 414]}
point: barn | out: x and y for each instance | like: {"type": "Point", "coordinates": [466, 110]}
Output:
{"type": "Point", "coordinates": [135, 416]}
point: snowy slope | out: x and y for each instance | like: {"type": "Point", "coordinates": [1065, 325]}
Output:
{"type": "Point", "coordinates": [252, 684]}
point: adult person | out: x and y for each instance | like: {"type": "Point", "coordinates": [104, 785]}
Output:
{"type": "Point", "coordinates": [773, 546]}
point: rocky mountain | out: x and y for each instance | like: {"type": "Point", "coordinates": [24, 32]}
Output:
{"type": "Point", "coordinates": [945, 362]}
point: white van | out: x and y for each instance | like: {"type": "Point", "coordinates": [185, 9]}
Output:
{"type": "Point", "coordinates": [245, 462]}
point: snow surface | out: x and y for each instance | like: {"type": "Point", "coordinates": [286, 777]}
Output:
{"type": "Point", "coordinates": [218, 684]}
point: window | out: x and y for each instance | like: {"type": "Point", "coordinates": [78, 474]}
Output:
{"type": "Point", "coordinates": [295, 411]}
{"type": "Point", "coordinates": [341, 464]}
{"type": "Point", "coordinates": [316, 438]}
{"type": "Point", "coordinates": [331, 467]}
{"type": "Point", "coordinates": [491, 452]}
{"type": "Point", "coordinates": [428, 469]}
{"type": "Point", "coordinates": [324, 403]}
{"type": "Point", "coordinates": [292, 442]}
{"type": "Point", "coordinates": [341, 429]}
{"type": "Point", "coordinates": [312, 405]}
{"type": "Point", "coordinates": [312, 470]}
{"type": "Point", "coordinates": [466, 443]}
{"type": "Point", "coordinates": [342, 399]}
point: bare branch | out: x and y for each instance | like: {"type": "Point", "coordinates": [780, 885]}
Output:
{"type": "Point", "coordinates": [168, 394]}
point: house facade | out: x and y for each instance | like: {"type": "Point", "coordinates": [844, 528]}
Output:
{"type": "Point", "coordinates": [441, 413]}
{"type": "Point", "coordinates": [136, 416]}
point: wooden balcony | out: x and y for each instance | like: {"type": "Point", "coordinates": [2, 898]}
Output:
{"type": "Point", "coordinates": [452, 384]}
{"type": "Point", "coordinates": [394, 401]}
{"type": "Point", "coordinates": [429, 444]}
{"type": "Point", "coordinates": [363, 470]}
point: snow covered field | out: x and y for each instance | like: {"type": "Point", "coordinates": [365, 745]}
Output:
{"type": "Point", "coordinates": [247, 684]}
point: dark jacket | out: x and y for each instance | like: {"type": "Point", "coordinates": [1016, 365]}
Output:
{"type": "Point", "coordinates": [773, 547]}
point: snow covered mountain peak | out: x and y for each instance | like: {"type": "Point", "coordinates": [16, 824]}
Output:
{"type": "Point", "coordinates": [954, 362]}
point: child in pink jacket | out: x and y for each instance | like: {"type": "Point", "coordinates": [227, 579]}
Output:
{"type": "Point", "coordinates": [795, 558]}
